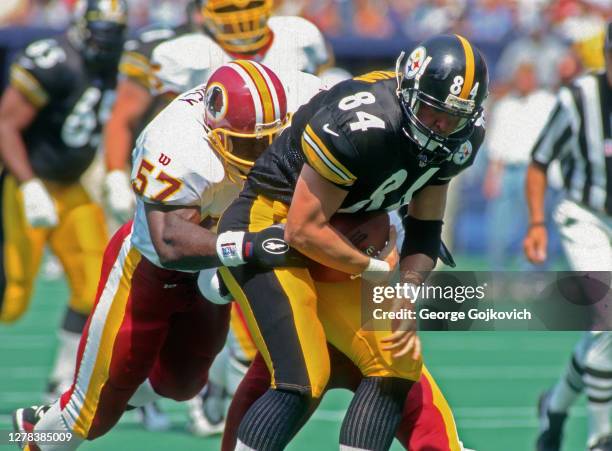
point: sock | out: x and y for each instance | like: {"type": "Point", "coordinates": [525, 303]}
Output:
{"type": "Point", "coordinates": [599, 393]}
{"type": "Point", "coordinates": [272, 421]}
{"type": "Point", "coordinates": [65, 359]}
{"type": "Point", "coordinates": [143, 395]}
{"type": "Point", "coordinates": [374, 413]}
{"type": "Point", "coordinates": [568, 388]}
{"type": "Point", "coordinates": [53, 421]}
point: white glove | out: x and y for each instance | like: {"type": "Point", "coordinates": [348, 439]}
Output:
{"type": "Point", "coordinates": [119, 195]}
{"type": "Point", "coordinates": [210, 287]}
{"type": "Point", "coordinates": [38, 206]}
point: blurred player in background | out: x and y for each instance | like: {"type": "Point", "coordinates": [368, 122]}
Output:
{"type": "Point", "coordinates": [151, 333]}
{"type": "Point", "coordinates": [135, 105]}
{"type": "Point", "coordinates": [578, 134]}
{"type": "Point", "coordinates": [173, 61]}
{"type": "Point", "coordinates": [60, 93]}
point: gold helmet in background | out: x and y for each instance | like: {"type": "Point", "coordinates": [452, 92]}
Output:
{"type": "Point", "coordinates": [239, 26]}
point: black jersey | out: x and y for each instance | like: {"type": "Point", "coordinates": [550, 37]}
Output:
{"type": "Point", "coordinates": [135, 61]}
{"type": "Point", "coordinates": [353, 135]}
{"type": "Point", "coordinates": [72, 102]}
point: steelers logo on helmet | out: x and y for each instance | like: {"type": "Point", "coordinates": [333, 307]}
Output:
{"type": "Point", "coordinates": [216, 102]}
{"type": "Point", "coordinates": [463, 154]}
{"type": "Point", "coordinates": [441, 93]}
{"type": "Point", "coordinates": [415, 62]}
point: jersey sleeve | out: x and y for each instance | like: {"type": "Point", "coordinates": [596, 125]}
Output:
{"type": "Point", "coordinates": [555, 139]}
{"type": "Point", "coordinates": [463, 158]}
{"type": "Point", "coordinates": [171, 160]}
{"type": "Point", "coordinates": [41, 73]}
{"type": "Point", "coordinates": [328, 151]}
{"type": "Point", "coordinates": [316, 52]}
{"type": "Point", "coordinates": [175, 67]}
{"type": "Point", "coordinates": [135, 63]}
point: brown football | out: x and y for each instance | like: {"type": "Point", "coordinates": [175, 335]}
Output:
{"type": "Point", "coordinates": [368, 232]}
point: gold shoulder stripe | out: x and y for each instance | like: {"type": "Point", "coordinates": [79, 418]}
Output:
{"type": "Point", "coordinates": [469, 67]}
{"type": "Point", "coordinates": [29, 86]}
{"type": "Point", "coordinates": [319, 165]}
{"type": "Point", "coordinates": [377, 75]}
{"type": "Point", "coordinates": [322, 153]}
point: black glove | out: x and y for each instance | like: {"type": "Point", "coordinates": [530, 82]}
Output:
{"type": "Point", "coordinates": [266, 248]}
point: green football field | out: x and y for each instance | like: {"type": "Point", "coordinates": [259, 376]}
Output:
{"type": "Point", "coordinates": [491, 380]}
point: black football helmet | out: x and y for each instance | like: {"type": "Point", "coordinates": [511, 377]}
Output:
{"type": "Point", "coordinates": [447, 74]}
{"type": "Point", "coordinates": [99, 29]}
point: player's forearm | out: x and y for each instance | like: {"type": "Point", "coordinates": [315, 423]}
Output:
{"type": "Point", "coordinates": [118, 139]}
{"type": "Point", "coordinates": [535, 191]}
{"type": "Point", "coordinates": [132, 102]}
{"type": "Point", "coordinates": [14, 153]}
{"type": "Point", "coordinates": [328, 247]}
{"type": "Point", "coordinates": [415, 268]}
{"type": "Point", "coordinates": [188, 246]}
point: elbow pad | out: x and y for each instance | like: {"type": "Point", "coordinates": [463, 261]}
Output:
{"type": "Point", "coordinates": [422, 237]}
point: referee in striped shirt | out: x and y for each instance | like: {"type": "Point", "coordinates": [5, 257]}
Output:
{"type": "Point", "coordinates": [577, 134]}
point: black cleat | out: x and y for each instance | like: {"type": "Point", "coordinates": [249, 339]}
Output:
{"type": "Point", "coordinates": [551, 426]}
{"type": "Point", "coordinates": [25, 419]}
{"type": "Point", "coordinates": [603, 444]}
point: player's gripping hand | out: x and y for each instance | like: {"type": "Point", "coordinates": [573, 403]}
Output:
{"type": "Point", "coordinates": [380, 269]}
{"type": "Point", "coordinates": [39, 208]}
{"type": "Point", "coordinates": [404, 339]}
{"type": "Point", "coordinates": [266, 248]}
{"type": "Point", "coordinates": [119, 195]}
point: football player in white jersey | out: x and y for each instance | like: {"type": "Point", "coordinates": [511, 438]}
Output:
{"type": "Point", "coordinates": [187, 59]}
{"type": "Point", "coordinates": [152, 334]}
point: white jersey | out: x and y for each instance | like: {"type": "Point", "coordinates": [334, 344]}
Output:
{"type": "Point", "coordinates": [187, 61]}
{"type": "Point", "coordinates": [174, 163]}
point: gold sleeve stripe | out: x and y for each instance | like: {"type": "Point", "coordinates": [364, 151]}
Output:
{"type": "Point", "coordinates": [262, 88]}
{"type": "Point", "coordinates": [321, 159]}
{"type": "Point", "coordinates": [319, 165]}
{"type": "Point", "coordinates": [29, 86]}
{"type": "Point", "coordinates": [136, 74]}
{"type": "Point", "coordinates": [130, 55]}
{"type": "Point", "coordinates": [319, 144]}
{"type": "Point", "coordinates": [469, 67]}
{"type": "Point", "coordinates": [377, 75]}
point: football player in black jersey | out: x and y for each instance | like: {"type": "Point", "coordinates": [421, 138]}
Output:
{"type": "Point", "coordinates": [135, 105]}
{"type": "Point", "coordinates": [60, 90]}
{"type": "Point", "coordinates": [369, 144]}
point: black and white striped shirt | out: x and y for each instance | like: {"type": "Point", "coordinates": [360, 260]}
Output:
{"type": "Point", "coordinates": [578, 135]}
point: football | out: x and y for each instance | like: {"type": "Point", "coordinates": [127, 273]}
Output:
{"type": "Point", "coordinates": [368, 232]}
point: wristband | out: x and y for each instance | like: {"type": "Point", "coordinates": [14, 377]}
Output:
{"type": "Point", "coordinates": [377, 265]}
{"type": "Point", "coordinates": [376, 271]}
{"type": "Point", "coordinates": [229, 248]}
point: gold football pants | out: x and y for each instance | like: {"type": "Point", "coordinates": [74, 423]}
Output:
{"type": "Point", "coordinates": [78, 241]}
{"type": "Point", "coordinates": [290, 316]}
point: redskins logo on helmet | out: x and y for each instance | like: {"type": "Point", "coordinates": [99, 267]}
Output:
{"type": "Point", "coordinates": [246, 106]}
{"type": "Point", "coordinates": [239, 26]}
